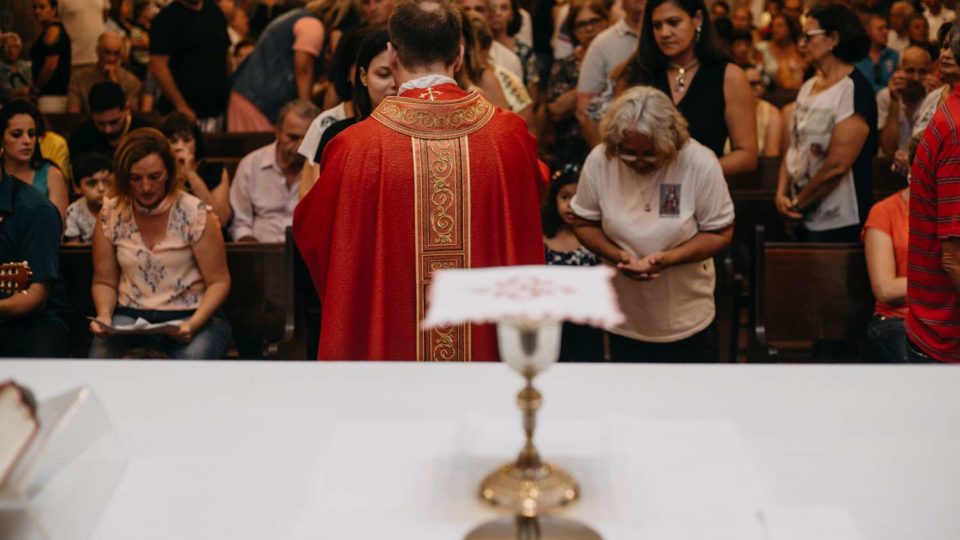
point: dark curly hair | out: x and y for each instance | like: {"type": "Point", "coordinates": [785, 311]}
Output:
{"type": "Point", "coordinates": [17, 107]}
{"type": "Point", "coordinates": [854, 42]}
{"type": "Point", "coordinates": [178, 125]}
{"type": "Point", "coordinates": [550, 218]}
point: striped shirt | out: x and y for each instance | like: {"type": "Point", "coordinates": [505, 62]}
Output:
{"type": "Point", "coordinates": [933, 322]}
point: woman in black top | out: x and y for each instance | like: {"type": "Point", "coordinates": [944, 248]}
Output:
{"type": "Point", "coordinates": [372, 82]}
{"type": "Point", "coordinates": [206, 180]}
{"type": "Point", "coordinates": [679, 54]}
{"type": "Point", "coordinates": [51, 52]}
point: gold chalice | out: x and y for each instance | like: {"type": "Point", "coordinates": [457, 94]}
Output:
{"type": "Point", "coordinates": [529, 486]}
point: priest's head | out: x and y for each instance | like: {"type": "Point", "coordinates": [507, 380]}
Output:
{"type": "Point", "coordinates": [424, 39]}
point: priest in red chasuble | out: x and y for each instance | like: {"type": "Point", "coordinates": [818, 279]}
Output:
{"type": "Point", "coordinates": [435, 178]}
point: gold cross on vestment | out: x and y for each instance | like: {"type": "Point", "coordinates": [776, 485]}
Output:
{"type": "Point", "coordinates": [430, 94]}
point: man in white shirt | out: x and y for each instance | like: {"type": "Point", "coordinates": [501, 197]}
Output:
{"type": "Point", "coordinates": [500, 55]}
{"type": "Point", "coordinates": [611, 48]}
{"type": "Point", "coordinates": [84, 22]}
{"type": "Point", "coordinates": [898, 105]}
{"type": "Point", "coordinates": [266, 187]}
{"type": "Point", "coordinates": [900, 14]}
{"type": "Point", "coordinates": [936, 15]}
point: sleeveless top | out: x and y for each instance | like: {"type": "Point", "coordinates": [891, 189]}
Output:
{"type": "Point", "coordinates": [40, 178]}
{"type": "Point", "coordinates": [58, 83]}
{"type": "Point", "coordinates": [703, 105]}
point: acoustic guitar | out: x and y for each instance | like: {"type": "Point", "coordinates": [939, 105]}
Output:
{"type": "Point", "coordinates": [15, 277]}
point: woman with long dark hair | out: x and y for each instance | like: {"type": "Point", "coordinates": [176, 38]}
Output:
{"type": "Point", "coordinates": [21, 127]}
{"type": "Point", "coordinates": [372, 82]}
{"type": "Point", "coordinates": [680, 55]}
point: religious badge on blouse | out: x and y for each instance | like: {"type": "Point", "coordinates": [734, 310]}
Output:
{"type": "Point", "coordinates": [669, 200]}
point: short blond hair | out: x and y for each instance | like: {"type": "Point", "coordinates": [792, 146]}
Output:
{"type": "Point", "coordinates": [135, 146]}
{"type": "Point", "coordinates": [648, 111]}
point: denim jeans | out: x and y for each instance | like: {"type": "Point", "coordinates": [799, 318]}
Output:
{"type": "Point", "coordinates": [210, 342]}
{"type": "Point", "coordinates": [916, 356]}
{"type": "Point", "coordinates": [886, 340]}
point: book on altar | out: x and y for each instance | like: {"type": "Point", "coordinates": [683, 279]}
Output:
{"type": "Point", "coordinates": [18, 425]}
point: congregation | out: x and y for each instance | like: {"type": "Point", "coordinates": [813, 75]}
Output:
{"type": "Point", "coordinates": [599, 132]}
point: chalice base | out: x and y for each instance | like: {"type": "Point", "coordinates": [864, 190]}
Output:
{"type": "Point", "coordinates": [539, 528]}
{"type": "Point", "coordinates": [529, 491]}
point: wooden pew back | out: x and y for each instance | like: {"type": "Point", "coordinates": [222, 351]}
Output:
{"type": "Point", "coordinates": [809, 292]}
{"type": "Point", "coordinates": [261, 300]}
{"type": "Point", "coordinates": [259, 307]}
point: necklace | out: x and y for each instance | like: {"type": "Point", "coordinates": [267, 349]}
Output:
{"type": "Point", "coordinates": [681, 83]}
{"type": "Point", "coordinates": [164, 205]}
{"type": "Point", "coordinates": [647, 200]}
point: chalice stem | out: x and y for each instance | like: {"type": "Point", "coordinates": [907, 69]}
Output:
{"type": "Point", "coordinates": [529, 400]}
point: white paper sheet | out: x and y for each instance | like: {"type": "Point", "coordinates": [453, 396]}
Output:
{"type": "Point", "coordinates": [140, 327]}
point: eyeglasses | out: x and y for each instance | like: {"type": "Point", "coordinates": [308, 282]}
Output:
{"type": "Point", "coordinates": [583, 25]}
{"type": "Point", "coordinates": [629, 156]}
{"type": "Point", "coordinates": [807, 35]}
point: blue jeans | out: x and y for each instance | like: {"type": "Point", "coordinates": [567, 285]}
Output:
{"type": "Point", "coordinates": [210, 342]}
{"type": "Point", "coordinates": [886, 340]}
{"type": "Point", "coordinates": [916, 356]}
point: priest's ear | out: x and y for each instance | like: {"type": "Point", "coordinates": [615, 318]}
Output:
{"type": "Point", "coordinates": [392, 58]}
{"type": "Point", "coordinates": [458, 63]}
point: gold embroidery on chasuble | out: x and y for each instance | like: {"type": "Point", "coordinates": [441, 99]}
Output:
{"type": "Point", "coordinates": [441, 179]}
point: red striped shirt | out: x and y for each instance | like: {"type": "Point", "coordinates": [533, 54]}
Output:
{"type": "Point", "coordinates": [933, 322]}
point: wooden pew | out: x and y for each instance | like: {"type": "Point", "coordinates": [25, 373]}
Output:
{"type": "Point", "coordinates": [237, 145]}
{"type": "Point", "coordinates": [806, 292]}
{"type": "Point", "coordinates": [76, 269]}
{"type": "Point", "coordinates": [259, 307]}
{"type": "Point", "coordinates": [229, 163]}
{"type": "Point", "coordinates": [261, 302]}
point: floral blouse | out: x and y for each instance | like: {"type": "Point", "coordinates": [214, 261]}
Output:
{"type": "Point", "coordinates": [568, 146]}
{"type": "Point", "coordinates": [531, 77]}
{"type": "Point", "coordinates": [166, 277]}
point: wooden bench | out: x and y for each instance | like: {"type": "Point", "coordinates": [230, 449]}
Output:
{"type": "Point", "coordinates": [229, 163]}
{"type": "Point", "coordinates": [260, 306]}
{"type": "Point", "coordinates": [237, 145]}
{"type": "Point", "coordinates": [807, 292]}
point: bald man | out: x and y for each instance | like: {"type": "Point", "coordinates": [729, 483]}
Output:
{"type": "Point", "coordinates": [107, 68]}
{"type": "Point", "coordinates": [901, 100]}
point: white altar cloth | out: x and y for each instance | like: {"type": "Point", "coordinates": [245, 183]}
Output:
{"type": "Point", "coordinates": [240, 450]}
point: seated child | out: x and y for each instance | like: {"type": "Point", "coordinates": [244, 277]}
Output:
{"type": "Point", "coordinates": [93, 177]}
{"type": "Point", "coordinates": [579, 343]}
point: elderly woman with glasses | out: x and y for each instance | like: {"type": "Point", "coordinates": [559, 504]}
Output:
{"type": "Point", "coordinates": [824, 190]}
{"type": "Point", "coordinates": [653, 201]}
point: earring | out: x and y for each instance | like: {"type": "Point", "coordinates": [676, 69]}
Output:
{"type": "Point", "coordinates": [698, 33]}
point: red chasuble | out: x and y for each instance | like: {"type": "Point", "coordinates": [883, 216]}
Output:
{"type": "Point", "coordinates": [436, 178]}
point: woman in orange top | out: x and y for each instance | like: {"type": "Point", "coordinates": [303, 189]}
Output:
{"type": "Point", "coordinates": [886, 237]}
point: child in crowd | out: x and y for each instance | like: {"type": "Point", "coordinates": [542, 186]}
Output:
{"type": "Point", "coordinates": [561, 246]}
{"type": "Point", "coordinates": [93, 175]}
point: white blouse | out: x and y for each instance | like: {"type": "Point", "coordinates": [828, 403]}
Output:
{"type": "Point", "coordinates": [685, 197]}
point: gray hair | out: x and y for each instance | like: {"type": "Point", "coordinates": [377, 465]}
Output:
{"type": "Point", "coordinates": [300, 107]}
{"type": "Point", "coordinates": [10, 36]}
{"type": "Point", "coordinates": [954, 39]}
{"type": "Point", "coordinates": [648, 111]}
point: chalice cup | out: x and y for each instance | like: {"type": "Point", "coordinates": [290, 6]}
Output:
{"type": "Point", "coordinates": [529, 485]}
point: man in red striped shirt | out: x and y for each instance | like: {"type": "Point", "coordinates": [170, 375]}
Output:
{"type": "Point", "coordinates": [933, 263]}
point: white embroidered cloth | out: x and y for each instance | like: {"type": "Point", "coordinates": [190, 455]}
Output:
{"type": "Point", "coordinates": [532, 294]}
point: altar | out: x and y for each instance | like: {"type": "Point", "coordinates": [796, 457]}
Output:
{"type": "Point", "coordinates": [308, 450]}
